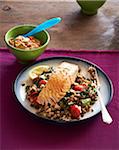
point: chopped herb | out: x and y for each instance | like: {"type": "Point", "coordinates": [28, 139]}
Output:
{"type": "Point", "coordinates": [92, 102]}
{"type": "Point", "coordinates": [27, 88]}
{"type": "Point", "coordinates": [89, 85]}
{"type": "Point", "coordinates": [95, 90]}
{"type": "Point", "coordinates": [83, 94]}
{"type": "Point", "coordinates": [36, 81]}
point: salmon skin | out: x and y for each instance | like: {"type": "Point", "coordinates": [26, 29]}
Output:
{"type": "Point", "coordinates": [58, 84]}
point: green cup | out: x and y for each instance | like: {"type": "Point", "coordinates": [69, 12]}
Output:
{"type": "Point", "coordinates": [26, 56]}
{"type": "Point", "coordinates": [90, 7]}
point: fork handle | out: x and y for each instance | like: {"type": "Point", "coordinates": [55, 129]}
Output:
{"type": "Point", "coordinates": [105, 114]}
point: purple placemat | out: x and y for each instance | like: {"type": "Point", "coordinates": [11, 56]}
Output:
{"type": "Point", "coordinates": [21, 131]}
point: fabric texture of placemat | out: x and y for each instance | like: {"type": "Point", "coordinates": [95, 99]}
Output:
{"type": "Point", "coordinates": [21, 131]}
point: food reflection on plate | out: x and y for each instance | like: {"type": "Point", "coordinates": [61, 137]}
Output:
{"type": "Point", "coordinates": [61, 92]}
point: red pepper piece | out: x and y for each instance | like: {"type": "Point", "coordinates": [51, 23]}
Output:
{"type": "Point", "coordinates": [42, 82]}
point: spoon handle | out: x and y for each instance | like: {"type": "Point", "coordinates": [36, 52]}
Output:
{"type": "Point", "coordinates": [45, 25]}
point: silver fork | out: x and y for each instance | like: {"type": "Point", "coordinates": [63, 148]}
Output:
{"type": "Point", "coordinates": [105, 114]}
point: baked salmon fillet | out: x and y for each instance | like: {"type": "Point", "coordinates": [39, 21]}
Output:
{"type": "Point", "coordinates": [58, 84]}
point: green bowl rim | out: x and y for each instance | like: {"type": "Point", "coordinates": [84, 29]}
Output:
{"type": "Point", "coordinates": [18, 49]}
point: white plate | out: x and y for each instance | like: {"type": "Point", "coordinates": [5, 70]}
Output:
{"type": "Point", "coordinates": [106, 84]}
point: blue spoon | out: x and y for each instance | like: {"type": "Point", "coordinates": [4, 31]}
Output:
{"type": "Point", "coordinates": [45, 25]}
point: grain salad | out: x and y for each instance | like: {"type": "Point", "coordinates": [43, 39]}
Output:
{"type": "Point", "coordinates": [55, 99]}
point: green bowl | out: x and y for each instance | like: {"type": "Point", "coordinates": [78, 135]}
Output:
{"type": "Point", "coordinates": [90, 7]}
{"type": "Point", "coordinates": [26, 56]}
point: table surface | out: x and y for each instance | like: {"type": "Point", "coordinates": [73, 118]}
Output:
{"type": "Point", "coordinates": [76, 31]}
